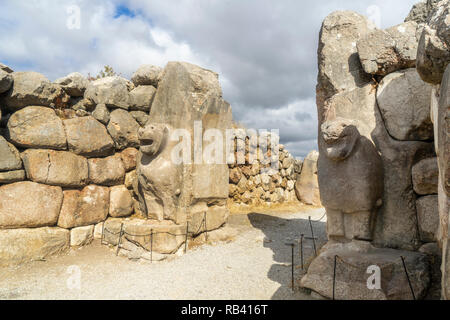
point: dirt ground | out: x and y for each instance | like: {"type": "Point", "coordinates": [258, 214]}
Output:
{"type": "Point", "coordinates": [255, 265]}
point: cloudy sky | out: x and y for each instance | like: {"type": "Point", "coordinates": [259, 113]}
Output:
{"type": "Point", "coordinates": [264, 50]}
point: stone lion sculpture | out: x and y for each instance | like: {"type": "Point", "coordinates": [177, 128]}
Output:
{"type": "Point", "coordinates": [159, 179]}
{"type": "Point", "coordinates": [350, 174]}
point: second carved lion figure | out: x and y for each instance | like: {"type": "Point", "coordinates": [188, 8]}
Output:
{"type": "Point", "coordinates": [159, 178]}
{"type": "Point", "coordinates": [350, 173]}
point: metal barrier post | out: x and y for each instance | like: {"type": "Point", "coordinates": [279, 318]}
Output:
{"type": "Point", "coordinates": [206, 228]}
{"type": "Point", "coordinates": [312, 236]}
{"type": "Point", "coordinates": [103, 233]}
{"type": "Point", "coordinates": [151, 246]}
{"type": "Point", "coordinates": [292, 269]}
{"type": "Point", "coordinates": [120, 239]}
{"type": "Point", "coordinates": [186, 240]}
{"type": "Point", "coordinates": [301, 249]}
{"type": "Point", "coordinates": [334, 276]}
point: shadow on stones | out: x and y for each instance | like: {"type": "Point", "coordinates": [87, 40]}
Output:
{"type": "Point", "coordinates": [278, 232]}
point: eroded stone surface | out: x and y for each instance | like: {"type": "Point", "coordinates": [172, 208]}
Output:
{"type": "Point", "coordinates": [33, 89]}
{"type": "Point", "coordinates": [425, 175]}
{"type": "Point", "coordinates": [433, 54]}
{"type": "Point", "coordinates": [12, 176]}
{"type": "Point", "coordinates": [58, 168]}
{"type": "Point", "coordinates": [9, 156]}
{"type": "Point", "coordinates": [167, 237]}
{"type": "Point", "coordinates": [81, 236]}
{"type": "Point", "coordinates": [141, 98]}
{"type": "Point", "coordinates": [428, 216]}
{"type": "Point", "coordinates": [339, 65]}
{"type": "Point", "coordinates": [350, 180]}
{"type": "Point", "coordinates": [123, 129]}
{"type": "Point", "coordinates": [85, 207]}
{"type": "Point", "coordinates": [353, 261]}
{"type": "Point", "coordinates": [110, 91]}
{"type": "Point", "coordinates": [307, 185]}
{"type": "Point", "coordinates": [26, 245]}
{"type": "Point", "coordinates": [29, 205]}
{"type": "Point", "coordinates": [121, 202]}
{"type": "Point", "coordinates": [147, 75]}
{"type": "Point", "coordinates": [74, 84]}
{"type": "Point", "coordinates": [88, 137]}
{"type": "Point", "coordinates": [404, 101]}
{"type": "Point", "coordinates": [37, 127]}
{"type": "Point", "coordinates": [107, 171]}
{"type": "Point", "coordinates": [6, 81]}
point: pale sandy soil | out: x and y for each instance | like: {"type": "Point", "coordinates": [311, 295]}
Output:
{"type": "Point", "coordinates": [256, 265]}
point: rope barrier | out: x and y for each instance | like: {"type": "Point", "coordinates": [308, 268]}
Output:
{"type": "Point", "coordinates": [407, 278]}
{"type": "Point", "coordinates": [323, 216]}
{"type": "Point", "coordinates": [336, 258]}
{"type": "Point", "coordinates": [123, 232]}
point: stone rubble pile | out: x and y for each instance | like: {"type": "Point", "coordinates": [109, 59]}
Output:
{"type": "Point", "coordinates": [258, 184]}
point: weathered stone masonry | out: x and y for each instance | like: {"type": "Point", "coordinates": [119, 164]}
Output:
{"type": "Point", "coordinates": [381, 178]}
{"type": "Point", "coordinates": [70, 165]}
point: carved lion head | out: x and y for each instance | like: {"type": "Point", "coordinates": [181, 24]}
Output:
{"type": "Point", "coordinates": [152, 138]}
{"type": "Point", "coordinates": [340, 136]}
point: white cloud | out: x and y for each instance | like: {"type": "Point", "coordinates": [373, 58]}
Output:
{"type": "Point", "coordinates": [264, 50]}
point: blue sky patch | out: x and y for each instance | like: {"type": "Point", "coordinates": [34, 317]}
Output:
{"type": "Point", "coordinates": [123, 10]}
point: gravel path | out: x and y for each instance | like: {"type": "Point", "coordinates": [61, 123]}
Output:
{"type": "Point", "coordinates": [256, 265]}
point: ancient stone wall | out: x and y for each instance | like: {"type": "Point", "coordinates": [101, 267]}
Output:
{"type": "Point", "coordinates": [84, 158]}
{"type": "Point", "coordinates": [378, 169]}
{"type": "Point", "coordinates": [69, 154]}
{"type": "Point", "coordinates": [254, 185]}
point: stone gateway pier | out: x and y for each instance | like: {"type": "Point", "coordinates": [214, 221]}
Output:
{"type": "Point", "coordinates": [152, 167]}
{"type": "Point", "coordinates": [382, 100]}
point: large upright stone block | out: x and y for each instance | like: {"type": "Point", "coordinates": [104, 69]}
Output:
{"type": "Point", "coordinates": [29, 205]}
{"type": "Point", "coordinates": [396, 224]}
{"type": "Point", "coordinates": [339, 65]}
{"type": "Point", "coordinates": [307, 185]}
{"type": "Point", "coordinates": [442, 126]}
{"type": "Point", "coordinates": [188, 96]}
